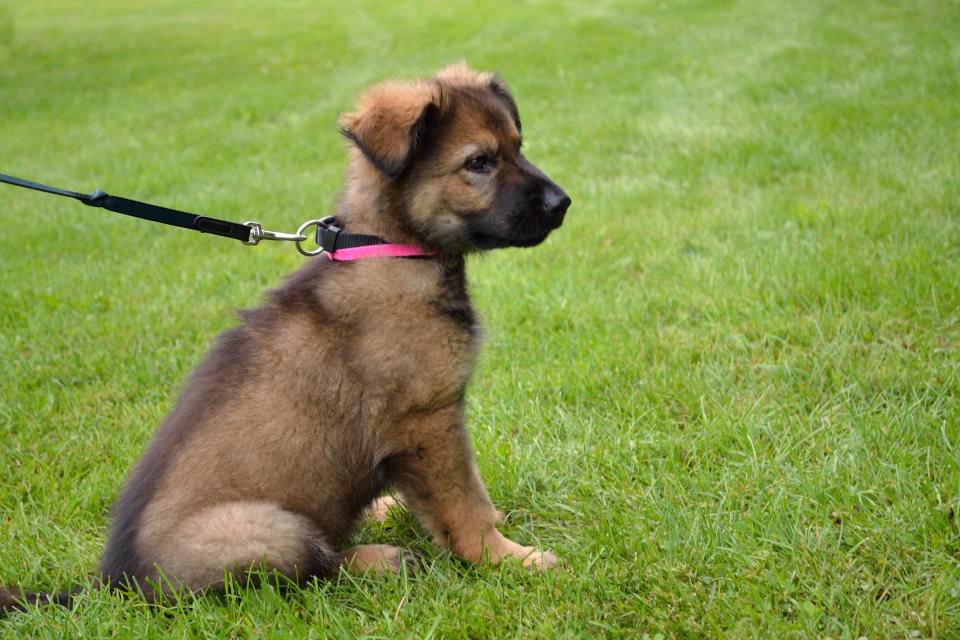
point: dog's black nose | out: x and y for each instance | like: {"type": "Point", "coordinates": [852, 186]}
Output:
{"type": "Point", "coordinates": [556, 202]}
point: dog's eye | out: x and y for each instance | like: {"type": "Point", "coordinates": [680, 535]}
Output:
{"type": "Point", "coordinates": [479, 164]}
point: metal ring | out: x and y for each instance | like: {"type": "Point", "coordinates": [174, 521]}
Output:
{"type": "Point", "coordinates": [300, 232]}
{"type": "Point", "coordinates": [256, 233]}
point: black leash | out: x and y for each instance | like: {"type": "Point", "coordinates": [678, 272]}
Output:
{"type": "Point", "coordinates": [98, 198]}
{"type": "Point", "coordinates": [329, 237]}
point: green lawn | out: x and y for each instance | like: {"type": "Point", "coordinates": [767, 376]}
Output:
{"type": "Point", "coordinates": [726, 392]}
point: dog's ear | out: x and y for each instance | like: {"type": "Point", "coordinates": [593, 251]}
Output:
{"type": "Point", "coordinates": [390, 123]}
{"type": "Point", "coordinates": [499, 89]}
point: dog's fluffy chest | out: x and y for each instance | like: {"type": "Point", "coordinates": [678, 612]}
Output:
{"type": "Point", "coordinates": [415, 331]}
{"type": "Point", "coordinates": [403, 330]}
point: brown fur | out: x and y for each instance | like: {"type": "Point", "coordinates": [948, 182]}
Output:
{"type": "Point", "coordinates": [351, 378]}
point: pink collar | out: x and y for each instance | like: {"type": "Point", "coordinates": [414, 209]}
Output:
{"type": "Point", "coordinates": [379, 251]}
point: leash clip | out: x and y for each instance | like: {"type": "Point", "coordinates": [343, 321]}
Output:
{"type": "Point", "coordinates": [258, 233]}
{"type": "Point", "coordinates": [326, 236]}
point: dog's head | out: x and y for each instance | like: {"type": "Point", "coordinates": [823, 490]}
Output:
{"type": "Point", "coordinates": [447, 154]}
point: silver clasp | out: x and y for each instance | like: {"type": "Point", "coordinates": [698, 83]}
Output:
{"type": "Point", "coordinates": [258, 233]}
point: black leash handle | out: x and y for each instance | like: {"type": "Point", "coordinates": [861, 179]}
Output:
{"type": "Point", "coordinates": [203, 224]}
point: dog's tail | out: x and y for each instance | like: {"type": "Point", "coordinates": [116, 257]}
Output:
{"type": "Point", "coordinates": [13, 599]}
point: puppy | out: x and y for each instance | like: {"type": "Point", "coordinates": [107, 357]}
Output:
{"type": "Point", "coordinates": [350, 380]}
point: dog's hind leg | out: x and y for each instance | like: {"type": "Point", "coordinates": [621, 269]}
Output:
{"type": "Point", "coordinates": [381, 558]}
{"type": "Point", "coordinates": [233, 539]}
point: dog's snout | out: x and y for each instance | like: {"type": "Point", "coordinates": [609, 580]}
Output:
{"type": "Point", "coordinates": [556, 202]}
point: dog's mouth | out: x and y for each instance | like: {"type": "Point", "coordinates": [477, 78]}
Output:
{"type": "Point", "coordinates": [486, 239]}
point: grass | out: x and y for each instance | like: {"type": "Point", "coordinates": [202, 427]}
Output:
{"type": "Point", "coordinates": [726, 392]}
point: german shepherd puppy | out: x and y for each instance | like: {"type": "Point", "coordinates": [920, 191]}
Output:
{"type": "Point", "coordinates": [350, 380]}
